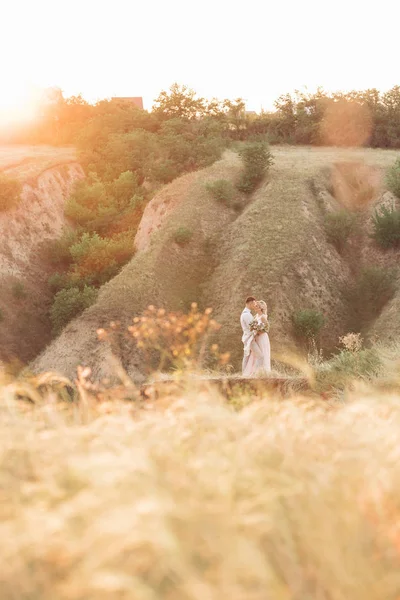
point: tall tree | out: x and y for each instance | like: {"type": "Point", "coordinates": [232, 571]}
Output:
{"type": "Point", "coordinates": [179, 102]}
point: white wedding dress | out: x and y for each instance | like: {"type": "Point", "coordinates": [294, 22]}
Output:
{"type": "Point", "coordinates": [262, 363]}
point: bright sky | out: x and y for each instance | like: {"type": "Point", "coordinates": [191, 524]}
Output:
{"type": "Point", "coordinates": [256, 49]}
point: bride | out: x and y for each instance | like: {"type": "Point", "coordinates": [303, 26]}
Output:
{"type": "Point", "coordinates": [255, 364]}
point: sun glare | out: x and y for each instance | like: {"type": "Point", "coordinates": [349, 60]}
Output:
{"type": "Point", "coordinates": [18, 103]}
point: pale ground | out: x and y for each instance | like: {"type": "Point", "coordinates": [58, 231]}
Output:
{"type": "Point", "coordinates": [25, 162]}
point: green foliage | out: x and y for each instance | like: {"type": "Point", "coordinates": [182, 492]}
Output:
{"type": "Point", "coordinates": [164, 170]}
{"type": "Point", "coordinates": [180, 102]}
{"type": "Point", "coordinates": [133, 151]}
{"type": "Point", "coordinates": [183, 235]}
{"type": "Point", "coordinates": [346, 367]}
{"type": "Point", "coordinates": [18, 290]}
{"type": "Point", "coordinates": [222, 191]}
{"type": "Point", "coordinates": [95, 205]}
{"type": "Point", "coordinates": [97, 259]}
{"type": "Point", "coordinates": [187, 146]}
{"type": "Point", "coordinates": [339, 226]}
{"type": "Point", "coordinates": [69, 303]}
{"type": "Point", "coordinates": [60, 281]}
{"type": "Point", "coordinates": [386, 223]}
{"type": "Point", "coordinates": [257, 159]}
{"type": "Point", "coordinates": [58, 251]}
{"type": "Point", "coordinates": [298, 118]}
{"type": "Point", "coordinates": [307, 323]}
{"type": "Point", "coordinates": [393, 178]}
{"type": "Point", "coordinates": [1, 315]}
{"type": "Point", "coordinates": [10, 191]}
{"type": "Point", "coordinates": [370, 293]}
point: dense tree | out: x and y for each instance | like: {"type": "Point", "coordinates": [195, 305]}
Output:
{"type": "Point", "coordinates": [180, 102]}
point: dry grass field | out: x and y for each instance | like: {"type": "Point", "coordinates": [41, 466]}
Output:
{"type": "Point", "coordinates": [190, 499]}
{"type": "Point", "coordinates": [27, 162]}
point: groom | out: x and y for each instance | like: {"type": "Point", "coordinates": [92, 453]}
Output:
{"type": "Point", "coordinates": [245, 319]}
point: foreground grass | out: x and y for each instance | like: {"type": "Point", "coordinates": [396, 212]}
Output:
{"type": "Point", "coordinates": [192, 500]}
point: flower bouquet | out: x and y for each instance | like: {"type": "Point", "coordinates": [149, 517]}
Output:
{"type": "Point", "coordinates": [258, 327]}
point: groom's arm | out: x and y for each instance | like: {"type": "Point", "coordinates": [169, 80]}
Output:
{"type": "Point", "coordinates": [246, 320]}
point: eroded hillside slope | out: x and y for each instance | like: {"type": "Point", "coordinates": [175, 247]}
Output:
{"type": "Point", "coordinates": [39, 217]}
{"type": "Point", "coordinates": [276, 248]}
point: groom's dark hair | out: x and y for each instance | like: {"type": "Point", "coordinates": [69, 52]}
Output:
{"type": "Point", "coordinates": [250, 299]}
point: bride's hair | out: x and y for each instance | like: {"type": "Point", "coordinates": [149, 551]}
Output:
{"type": "Point", "coordinates": [263, 306]}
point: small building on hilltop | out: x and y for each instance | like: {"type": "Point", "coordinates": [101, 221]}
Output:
{"type": "Point", "coordinates": [136, 100]}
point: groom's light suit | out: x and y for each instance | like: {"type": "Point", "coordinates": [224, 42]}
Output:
{"type": "Point", "coordinates": [245, 319]}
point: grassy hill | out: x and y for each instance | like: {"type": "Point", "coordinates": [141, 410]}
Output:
{"type": "Point", "coordinates": [47, 175]}
{"type": "Point", "coordinates": [275, 248]}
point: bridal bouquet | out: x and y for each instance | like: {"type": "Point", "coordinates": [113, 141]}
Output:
{"type": "Point", "coordinates": [258, 327]}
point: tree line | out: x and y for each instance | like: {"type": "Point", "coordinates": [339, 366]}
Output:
{"type": "Point", "coordinates": [368, 118]}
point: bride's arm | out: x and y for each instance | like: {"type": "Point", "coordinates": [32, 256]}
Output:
{"type": "Point", "coordinates": [264, 318]}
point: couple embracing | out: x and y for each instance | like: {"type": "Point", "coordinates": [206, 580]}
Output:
{"type": "Point", "coordinates": [257, 350]}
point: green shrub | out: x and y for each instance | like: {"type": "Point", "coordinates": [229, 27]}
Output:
{"type": "Point", "coordinates": [10, 192]}
{"type": "Point", "coordinates": [163, 171]}
{"type": "Point", "coordinates": [59, 250]}
{"type": "Point", "coordinates": [386, 223]}
{"type": "Point", "coordinates": [97, 259]}
{"type": "Point", "coordinates": [82, 205]}
{"type": "Point", "coordinates": [222, 191]}
{"type": "Point", "coordinates": [307, 323]}
{"type": "Point", "coordinates": [338, 226]}
{"type": "Point", "coordinates": [256, 159]}
{"type": "Point", "coordinates": [346, 367]}
{"type": "Point", "coordinates": [60, 281]}
{"type": "Point", "coordinates": [183, 235]}
{"type": "Point", "coordinates": [369, 294]}
{"type": "Point", "coordinates": [18, 290]}
{"type": "Point", "coordinates": [69, 303]}
{"type": "Point", "coordinates": [95, 205]}
{"type": "Point", "coordinates": [393, 178]}
{"type": "Point", "coordinates": [121, 191]}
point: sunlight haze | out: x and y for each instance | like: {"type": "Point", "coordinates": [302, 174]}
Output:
{"type": "Point", "coordinates": [256, 50]}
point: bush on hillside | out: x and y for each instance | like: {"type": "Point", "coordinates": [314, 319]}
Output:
{"type": "Point", "coordinates": [123, 189]}
{"type": "Point", "coordinates": [95, 204]}
{"type": "Point", "coordinates": [393, 178]}
{"type": "Point", "coordinates": [370, 293]}
{"type": "Point", "coordinates": [81, 207]}
{"type": "Point", "coordinates": [60, 281]}
{"type": "Point", "coordinates": [307, 323]}
{"type": "Point", "coordinates": [97, 259]}
{"type": "Point", "coordinates": [183, 235]}
{"type": "Point", "coordinates": [346, 367]}
{"type": "Point", "coordinates": [257, 159]}
{"type": "Point", "coordinates": [386, 224]}
{"type": "Point", "coordinates": [59, 250]}
{"type": "Point", "coordinates": [10, 192]}
{"type": "Point", "coordinates": [188, 146]}
{"type": "Point", "coordinates": [339, 226]}
{"type": "Point", "coordinates": [163, 170]}
{"type": "Point", "coordinates": [69, 303]}
{"type": "Point", "coordinates": [222, 191]}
